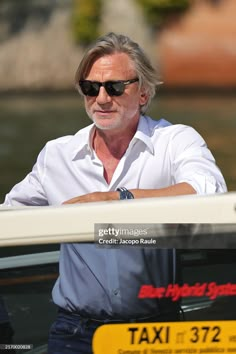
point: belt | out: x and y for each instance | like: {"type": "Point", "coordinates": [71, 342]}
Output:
{"type": "Point", "coordinates": [164, 317]}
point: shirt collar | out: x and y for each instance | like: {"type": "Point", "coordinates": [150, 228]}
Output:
{"type": "Point", "coordinates": [81, 142]}
{"type": "Point", "coordinates": [144, 133]}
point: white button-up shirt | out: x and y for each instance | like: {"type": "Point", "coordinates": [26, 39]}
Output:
{"type": "Point", "coordinates": [158, 156]}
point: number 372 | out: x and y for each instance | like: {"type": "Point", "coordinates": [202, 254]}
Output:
{"type": "Point", "coordinates": [205, 334]}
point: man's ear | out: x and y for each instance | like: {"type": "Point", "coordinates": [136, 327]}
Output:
{"type": "Point", "coordinates": [143, 97]}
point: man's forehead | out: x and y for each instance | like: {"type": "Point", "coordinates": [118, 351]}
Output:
{"type": "Point", "coordinates": [117, 62]}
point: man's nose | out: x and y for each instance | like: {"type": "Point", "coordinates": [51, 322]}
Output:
{"type": "Point", "coordinates": [103, 96]}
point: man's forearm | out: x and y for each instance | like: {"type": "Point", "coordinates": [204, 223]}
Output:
{"type": "Point", "coordinates": [177, 189]}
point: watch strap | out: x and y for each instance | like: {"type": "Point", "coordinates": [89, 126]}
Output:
{"type": "Point", "coordinates": [125, 193]}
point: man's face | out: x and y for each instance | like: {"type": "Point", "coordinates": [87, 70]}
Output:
{"type": "Point", "coordinates": [114, 112]}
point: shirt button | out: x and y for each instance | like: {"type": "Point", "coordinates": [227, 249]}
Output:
{"type": "Point", "coordinates": [116, 291]}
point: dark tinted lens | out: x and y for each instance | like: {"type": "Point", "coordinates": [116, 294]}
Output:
{"type": "Point", "coordinates": [89, 88]}
{"type": "Point", "coordinates": [115, 88]}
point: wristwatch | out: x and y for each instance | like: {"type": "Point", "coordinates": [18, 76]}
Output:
{"type": "Point", "coordinates": [124, 193]}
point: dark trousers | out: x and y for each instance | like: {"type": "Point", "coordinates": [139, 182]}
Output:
{"type": "Point", "coordinates": [71, 334]}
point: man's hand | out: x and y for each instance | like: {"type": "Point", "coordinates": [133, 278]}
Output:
{"type": "Point", "coordinates": [94, 197]}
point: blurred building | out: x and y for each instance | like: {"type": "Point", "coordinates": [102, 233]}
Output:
{"type": "Point", "coordinates": [37, 50]}
{"type": "Point", "coordinates": [200, 49]}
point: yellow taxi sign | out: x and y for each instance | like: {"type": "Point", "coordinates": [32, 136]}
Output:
{"type": "Point", "coordinates": [201, 337]}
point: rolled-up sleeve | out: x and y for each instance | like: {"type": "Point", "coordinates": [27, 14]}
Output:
{"type": "Point", "coordinates": [194, 163]}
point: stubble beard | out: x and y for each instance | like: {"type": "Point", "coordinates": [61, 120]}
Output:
{"type": "Point", "coordinates": [113, 124]}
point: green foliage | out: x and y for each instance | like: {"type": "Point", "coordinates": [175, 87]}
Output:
{"type": "Point", "coordinates": [158, 11]}
{"type": "Point", "coordinates": [85, 20]}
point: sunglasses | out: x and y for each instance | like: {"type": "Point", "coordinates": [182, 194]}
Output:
{"type": "Point", "coordinates": [113, 88]}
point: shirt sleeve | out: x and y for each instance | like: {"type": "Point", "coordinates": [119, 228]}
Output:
{"type": "Point", "coordinates": [194, 163]}
{"type": "Point", "coordinates": [30, 191]}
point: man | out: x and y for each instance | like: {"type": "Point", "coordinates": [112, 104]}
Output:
{"type": "Point", "coordinates": [122, 155]}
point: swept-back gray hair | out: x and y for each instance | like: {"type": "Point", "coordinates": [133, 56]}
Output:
{"type": "Point", "coordinates": [117, 43]}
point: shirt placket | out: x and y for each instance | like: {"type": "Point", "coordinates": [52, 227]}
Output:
{"type": "Point", "coordinates": [113, 279]}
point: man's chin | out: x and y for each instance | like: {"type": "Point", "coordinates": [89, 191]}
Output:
{"type": "Point", "coordinates": [105, 125]}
